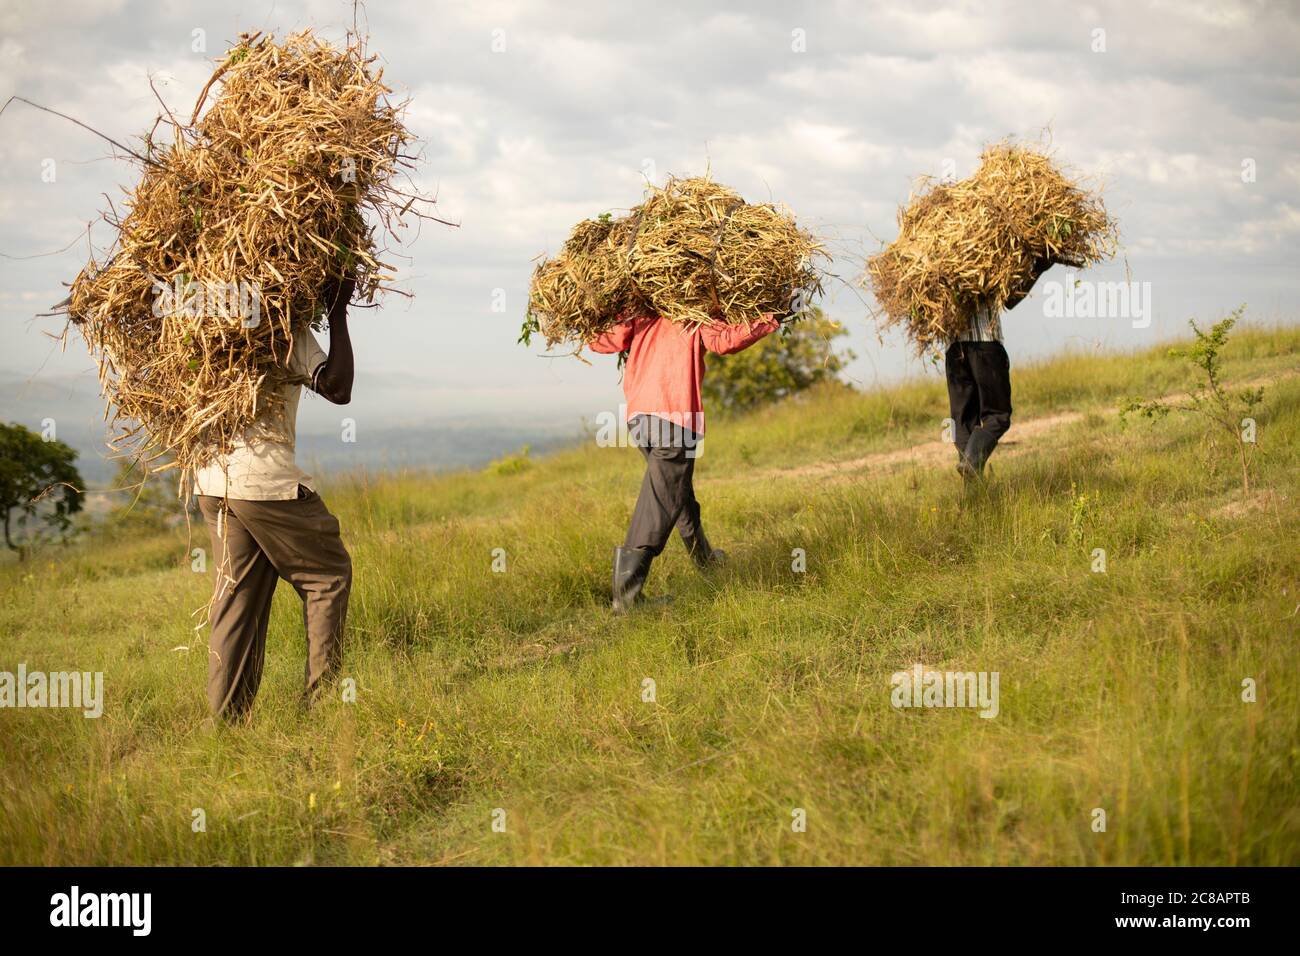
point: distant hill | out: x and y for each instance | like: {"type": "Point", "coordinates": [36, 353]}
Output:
{"type": "Point", "coordinates": [74, 404]}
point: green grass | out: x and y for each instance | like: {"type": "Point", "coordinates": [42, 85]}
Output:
{"type": "Point", "coordinates": [480, 691]}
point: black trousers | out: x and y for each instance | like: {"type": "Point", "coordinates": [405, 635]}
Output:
{"type": "Point", "coordinates": [667, 497]}
{"type": "Point", "coordinates": [979, 396]}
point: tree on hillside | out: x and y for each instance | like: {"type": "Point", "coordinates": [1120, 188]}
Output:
{"type": "Point", "coordinates": [38, 482]}
{"type": "Point", "coordinates": [149, 496]}
{"type": "Point", "coordinates": [798, 357]}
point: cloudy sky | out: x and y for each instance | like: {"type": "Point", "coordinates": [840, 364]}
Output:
{"type": "Point", "coordinates": [535, 115]}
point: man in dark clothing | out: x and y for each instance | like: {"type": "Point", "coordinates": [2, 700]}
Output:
{"type": "Point", "coordinates": [979, 380]}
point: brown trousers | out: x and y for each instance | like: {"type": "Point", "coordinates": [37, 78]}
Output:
{"type": "Point", "coordinates": [256, 543]}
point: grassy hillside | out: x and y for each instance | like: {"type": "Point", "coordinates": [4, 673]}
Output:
{"type": "Point", "coordinates": [518, 691]}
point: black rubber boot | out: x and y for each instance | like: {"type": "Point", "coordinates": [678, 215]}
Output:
{"type": "Point", "coordinates": [969, 473]}
{"type": "Point", "coordinates": [631, 566]}
{"type": "Point", "coordinates": [978, 451]}
{"type": "Point", "coordinates": [702, 553]}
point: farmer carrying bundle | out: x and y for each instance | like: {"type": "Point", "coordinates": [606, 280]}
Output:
{"type": "Point", "coordinates": [692, 252]}
{"type": "Point", "coordinates": [245, 232]}
{"type": "Point", "coordinates": [234, 232]}
{"type": "Point", "coordinates": [693, 269]}
{"type": "Point", "coordinates": [968, 250]}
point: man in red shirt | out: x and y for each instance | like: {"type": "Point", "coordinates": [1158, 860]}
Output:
{"type": "Point", "coordinates": [661, 382]}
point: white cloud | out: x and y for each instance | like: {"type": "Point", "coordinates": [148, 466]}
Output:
{"type": "Point", "coordinates": [522, 144]}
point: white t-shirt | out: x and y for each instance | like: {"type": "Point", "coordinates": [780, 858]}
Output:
{"type": "Point", "coordinates": [261, 466]}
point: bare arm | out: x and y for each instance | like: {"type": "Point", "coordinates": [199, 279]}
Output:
{"type": "Point", "coordinates": [1040, 266]}
{"type": "Point", "coordinates": [334, 378]}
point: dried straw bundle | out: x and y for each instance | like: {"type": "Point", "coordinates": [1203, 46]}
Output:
{"type": "Point", "coordinates": [267, 194]}
{"type": "Point", "coordinates": [575, 295]}
{"type": "Point", "coordinates": [979, 238]}
{"type": "Point", "coordinates": [692, 251]}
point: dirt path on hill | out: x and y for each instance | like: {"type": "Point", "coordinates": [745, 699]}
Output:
{"type": "Point", "coordinates": [928, 453]}
{"type": "Point", "coordinates": [931, 453]}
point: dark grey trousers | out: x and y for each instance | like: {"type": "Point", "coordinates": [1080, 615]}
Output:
{"type": "Point", "coordinates": [667, 497]}
{"type": "Point", "coordinates": [979, 396]}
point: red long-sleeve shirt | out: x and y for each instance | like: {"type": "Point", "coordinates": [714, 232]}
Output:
{"type": "Point", "coordinates": [665, 362]}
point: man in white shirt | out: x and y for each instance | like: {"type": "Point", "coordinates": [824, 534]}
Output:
{"type": "Point", "coordinates": [267, 522]}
